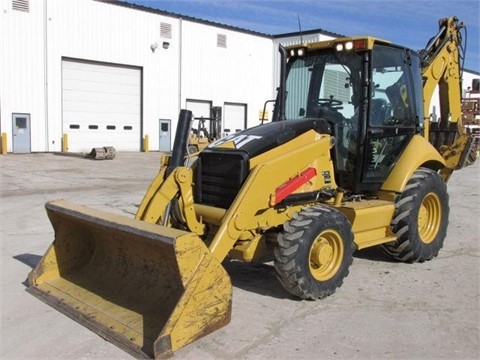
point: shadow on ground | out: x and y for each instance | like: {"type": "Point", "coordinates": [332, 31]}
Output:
{"type": "Point", "coordinates": [28, 259]}
{"type": "Point", "coordinates": [374, 254]}
{"type": "Point", "coordinates": [259, 278]}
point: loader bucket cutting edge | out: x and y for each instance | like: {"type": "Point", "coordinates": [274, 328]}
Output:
{"type": "Point", "coordinates": [146, 288]}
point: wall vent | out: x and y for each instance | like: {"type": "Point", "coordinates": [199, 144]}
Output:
{"type": "Point", "coordinates": [166, 30]}
{"type": "Point", "coordinates": [21, 5]}
{"type": "Point", "coordinates": [221, 40]}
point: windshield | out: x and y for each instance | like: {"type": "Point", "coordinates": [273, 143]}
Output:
{"type": "Point", "coordinates": [323, 79]}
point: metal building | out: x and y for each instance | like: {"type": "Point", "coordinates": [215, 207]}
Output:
{"type": "Point", "coordinates": [111, 73]}
{"type": "Point", "coordinates": [82, 74]}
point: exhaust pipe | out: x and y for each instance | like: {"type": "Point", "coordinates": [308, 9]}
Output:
{"type": "Point", "coordinates": [180, 143]}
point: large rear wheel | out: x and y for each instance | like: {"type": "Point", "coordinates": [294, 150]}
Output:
{"type": "Point", "coordinates": [314, 252]}
{"type": "Point", "coordinates": [421, 218]}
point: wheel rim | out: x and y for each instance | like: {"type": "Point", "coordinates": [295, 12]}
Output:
{"type": "Point", "coordinates": [429, 218]}
{"type": "Point", "coordinates": [326, 255]}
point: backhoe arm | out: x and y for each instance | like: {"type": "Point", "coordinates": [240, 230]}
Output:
{"type": "Point", "coordinates": [441, 67]}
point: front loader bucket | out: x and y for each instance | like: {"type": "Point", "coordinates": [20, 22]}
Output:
{"type": "Point", "coordinates": [148, 289]}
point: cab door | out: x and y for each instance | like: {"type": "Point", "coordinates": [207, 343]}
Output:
{"type": "Point", "coordinates": [392, 114]}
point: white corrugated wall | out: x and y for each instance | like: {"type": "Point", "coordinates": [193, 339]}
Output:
{"type": "Point", "coordinates": [79, 30]}
{"type": "Point", "coordinates": [240, 72]}
{"type": "Point", "coordinates": [242, 69]}
{"type": "Point", "coordinates": [125, 39]}
{"type": "Point", "coordinates": [22, 65]}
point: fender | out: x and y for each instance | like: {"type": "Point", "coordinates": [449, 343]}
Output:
{"type": "Point", "coordinates": [419, 152]}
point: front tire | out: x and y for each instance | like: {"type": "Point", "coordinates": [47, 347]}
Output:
{"type": "Point", "coordinates": [421, 218]}
{"type": "Point", "coordinates": [314, 252]}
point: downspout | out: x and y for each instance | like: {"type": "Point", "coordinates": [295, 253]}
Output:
{"type": "Point", "coordinates": [45, 73]}
{"type": "Point", "coordinates": [180, 62]}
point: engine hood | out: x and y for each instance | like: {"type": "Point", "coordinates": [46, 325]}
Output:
{"type": "Point", "coordinates": [262, 138]}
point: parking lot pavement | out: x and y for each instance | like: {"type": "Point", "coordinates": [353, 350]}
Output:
{"type": "Point", "coordinates": [384, 310]}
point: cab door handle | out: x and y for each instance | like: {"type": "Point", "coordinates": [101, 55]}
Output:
{"type": "Point", "coordinates": [375, 131]}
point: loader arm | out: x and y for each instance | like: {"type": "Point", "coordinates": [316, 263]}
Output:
{"type": "Point", "coordinates": [252, 208]}
{"type": "Point", "coordinates": [153, 208]}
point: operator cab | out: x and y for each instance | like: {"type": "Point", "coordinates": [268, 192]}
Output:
{"type": "Point", "coordinates": [365, 89]}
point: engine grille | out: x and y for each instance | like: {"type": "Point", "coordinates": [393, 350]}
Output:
{"type": "Point", "coordinates": [219, 177]}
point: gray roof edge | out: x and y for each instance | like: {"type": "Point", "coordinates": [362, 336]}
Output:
{"type": "Point", "coordinates": [183, 17]}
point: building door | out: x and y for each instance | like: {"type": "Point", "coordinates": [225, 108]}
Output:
{"type": "Point", "coordinates": [234, 117]}
{"type": "Point", "coordinates": [165, 142]}
{"type": "Point", "coordinates": [101, 105]}
{"type": "Point", "coordinates": [21, 133]}
{"type": "Point", "coordinates": [199, 109]}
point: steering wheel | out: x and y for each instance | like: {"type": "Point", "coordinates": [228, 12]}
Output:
{"type": "Point", "coordinates": [331, 103]}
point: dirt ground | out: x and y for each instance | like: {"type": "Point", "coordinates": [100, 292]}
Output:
{"type": "Point", "coordinates": [384, 310]}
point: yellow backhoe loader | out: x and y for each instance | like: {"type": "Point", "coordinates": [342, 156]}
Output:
{"type": "Point", "coordinates": [345, 164]}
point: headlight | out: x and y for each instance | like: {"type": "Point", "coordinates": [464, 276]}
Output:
{"type": "Point", "coordinates": [344, 46]}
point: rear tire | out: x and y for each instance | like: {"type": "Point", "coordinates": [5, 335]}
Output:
{"type": "Point", "coordinates": [421, 218]}
{"type": "Point", "coordinates": [314, 252]}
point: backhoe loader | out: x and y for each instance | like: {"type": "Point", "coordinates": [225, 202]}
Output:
{"type": "Point", "coordinates": [346, 164]}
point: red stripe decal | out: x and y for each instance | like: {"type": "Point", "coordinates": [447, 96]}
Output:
{"type": "Point", "coordinates": [293, 184]}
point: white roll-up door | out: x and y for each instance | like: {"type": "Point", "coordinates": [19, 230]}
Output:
{"type": "Point", "coordinates": [101, 106]}
{"type": "Point", "coordinates": [234, 116]}
{"type": "Point", "coordinates": [199, 108]}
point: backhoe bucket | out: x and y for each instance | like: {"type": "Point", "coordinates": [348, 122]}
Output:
{"type": "Point", "coordinates": [148, 289]}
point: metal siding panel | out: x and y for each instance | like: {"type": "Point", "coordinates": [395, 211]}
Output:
{"type": "Point", "coordinates": [126, 38]}
{"type": "Point", "coordinates": [22, 85]}
{"type": "Point", "coordinates": [239, 73]}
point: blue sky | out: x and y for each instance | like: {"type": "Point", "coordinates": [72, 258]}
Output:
{"type": "Point", "coordinates": [406, 22]}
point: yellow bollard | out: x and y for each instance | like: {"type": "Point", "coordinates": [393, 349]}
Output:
{"type": "Point", "coordinates": [4, 143]}
{"type": "Point", "coordinates": [145, 144]}
{"type": "Point", "coordinates": [65, 143]}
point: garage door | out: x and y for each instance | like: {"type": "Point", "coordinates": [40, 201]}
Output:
{"type": "Point", "coordinates": [199, 108]}
{"type": "Point", "coordinates": [234, 117]}
{"type": "Point", "coordinates": [101, 106]}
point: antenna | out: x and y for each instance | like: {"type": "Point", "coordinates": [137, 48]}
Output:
{"type": "Point", "coordinates": [300, 29]}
